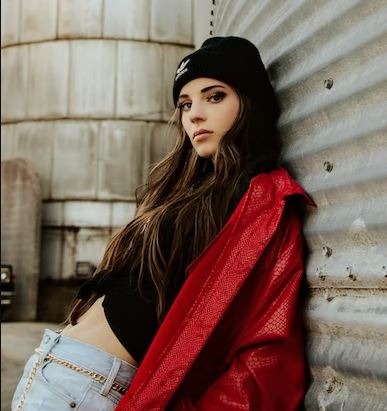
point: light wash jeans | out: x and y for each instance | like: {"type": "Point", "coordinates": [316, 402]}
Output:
{"type": "Point", "coordinates": [49, 385]}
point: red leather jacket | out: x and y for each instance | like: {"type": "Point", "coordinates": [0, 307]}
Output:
{"type": "Point", "coordinates": [233, 338]}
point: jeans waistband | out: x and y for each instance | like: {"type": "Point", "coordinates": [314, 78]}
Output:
{"type": "Point", "coordinates": [86, 356]}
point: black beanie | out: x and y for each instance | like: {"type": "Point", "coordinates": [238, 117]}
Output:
{"type": "Point", "coordinates": [232, 60]}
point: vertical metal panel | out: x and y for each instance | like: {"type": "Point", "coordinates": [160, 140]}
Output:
{"type": "Point", "coordinates": [327, 61]}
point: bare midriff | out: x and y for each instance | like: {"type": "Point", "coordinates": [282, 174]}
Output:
{"type": "Point", "coordinates": [93, 328]}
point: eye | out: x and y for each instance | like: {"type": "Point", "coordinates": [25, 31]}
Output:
{"type": "Point", "coordinates": [216, 97]}
{"type": "Point", "coordinates": [184, 106]}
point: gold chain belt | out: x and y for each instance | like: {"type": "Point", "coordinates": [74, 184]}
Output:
{"type": "Point", "coordinates": [92, 374]}
{"type": "Point", "coordinates": [50, 357]}
{"type": "Point", "coordinates": [23, 397]}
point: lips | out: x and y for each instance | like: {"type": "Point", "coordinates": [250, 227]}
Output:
{"type": "Point", "coordinates": [201, 131]}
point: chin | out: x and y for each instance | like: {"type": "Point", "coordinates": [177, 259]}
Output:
{"type": "Point", "coordinates": [205, 152]}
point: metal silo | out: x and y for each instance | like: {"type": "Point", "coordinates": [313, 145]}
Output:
{"type": "Point", "coordinates": [86, 97]}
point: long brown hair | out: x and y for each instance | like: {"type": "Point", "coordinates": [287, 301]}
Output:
{"type": "Point", "coordinates": [193, 192]}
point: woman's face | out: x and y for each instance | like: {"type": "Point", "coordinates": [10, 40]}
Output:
{"type": "Point", "coordinates": [208, 110]}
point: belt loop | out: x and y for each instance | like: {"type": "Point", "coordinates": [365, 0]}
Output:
{"type": "Point", "coordinates": [50, 338]}
{"type": "Point", "coordinates": [111, 377]}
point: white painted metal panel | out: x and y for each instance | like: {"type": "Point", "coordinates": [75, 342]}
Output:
{"type": "Point", "coordinates": [121, 213]}
{"type": "Point", "coordinates": [124, 149]}
{"type": "Point", "coordinates": [171, 21]}
{"type": "Point", "coordinates": [126, 19]}
{"type": "Point", "coordinates": [37, 26]}
{"type": "Point", "coordinates": [80, 19]}
{"type": "Point", "coordinates": [139, 81]}
{"type": "Point", "coordinates": [327, 61]}
{"type": "Point", "coordinates": [48, 79]}
{"type": "Point", "coordinates": [10, 19]}
{"type": "Point", "coordinates": [92, 78]}
{"type": "Point", "coordinates": [74, 159]}
{"type": "Point", "coordinates": [14, 80]}
{"type": "Point", "coordinates": [35, 143]}
{"type": "Point", "coordinates": [161, 142]}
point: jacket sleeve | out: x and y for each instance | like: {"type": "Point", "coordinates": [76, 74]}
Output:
{"type": "Point", "coordinates": [267, 373]}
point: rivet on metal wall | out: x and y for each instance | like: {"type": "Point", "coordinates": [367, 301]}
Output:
{"type": "Point", "coordinates": [329, 387]}
{"type": "Point", "coordinates": [327, 296]}
{"type": "Point", "coordinates": [320, 274]}
{"type": "Point", "coordinates": [351, 275]}
{"type": "Point", "coordinates": [328, 83]}
{"type": "Point", "coordinates": [328, 166]}
{"type": "Point", "coordinates": [326, 251]}
{"type": "Point", "coordinates": [332, 384]}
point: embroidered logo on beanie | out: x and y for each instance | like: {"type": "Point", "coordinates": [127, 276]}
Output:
{"type": "Point", "coordinates": [182, 69]}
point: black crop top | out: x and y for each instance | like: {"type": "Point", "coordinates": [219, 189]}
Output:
{"type": "Point", "coordinates": [132, 318]}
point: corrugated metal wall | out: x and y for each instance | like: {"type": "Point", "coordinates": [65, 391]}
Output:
{"type": "Point", "coordinates": [328, 63]}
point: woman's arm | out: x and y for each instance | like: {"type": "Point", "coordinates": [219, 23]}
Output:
{"type": "Point", "coordinates": [269, 373]}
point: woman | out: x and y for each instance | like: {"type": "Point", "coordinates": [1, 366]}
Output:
{"type": "Point", "coordinates": [196, 303]}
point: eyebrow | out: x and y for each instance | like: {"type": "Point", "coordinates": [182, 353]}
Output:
{"type": "Point", "coordinates": [202, 91]}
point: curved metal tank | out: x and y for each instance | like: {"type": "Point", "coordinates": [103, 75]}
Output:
{"type": "Point", "coordinates": [86, 96]}
{"type": "Point", "coordinates": [327, 61]}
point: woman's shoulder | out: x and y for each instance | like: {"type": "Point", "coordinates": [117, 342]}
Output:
{"type": "Point", "coordinates": [277, 185]}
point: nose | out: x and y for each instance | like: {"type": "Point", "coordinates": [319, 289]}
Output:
{"type": "Point", "coordinates": [197, 113]}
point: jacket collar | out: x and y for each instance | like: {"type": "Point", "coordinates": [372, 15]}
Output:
{"type": "Point", "coordinates": [209, 289]}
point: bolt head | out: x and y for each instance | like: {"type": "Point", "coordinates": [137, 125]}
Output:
{"type": "Point", "coordinates": [328, 166]}
{"type": "Point", "coordinates": [328, 83]}
{"type": "Point", "coordinates": [326, 251]}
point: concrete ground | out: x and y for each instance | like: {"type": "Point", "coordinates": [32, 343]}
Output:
{"type": "Point", "coordinates": [18, 341]}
